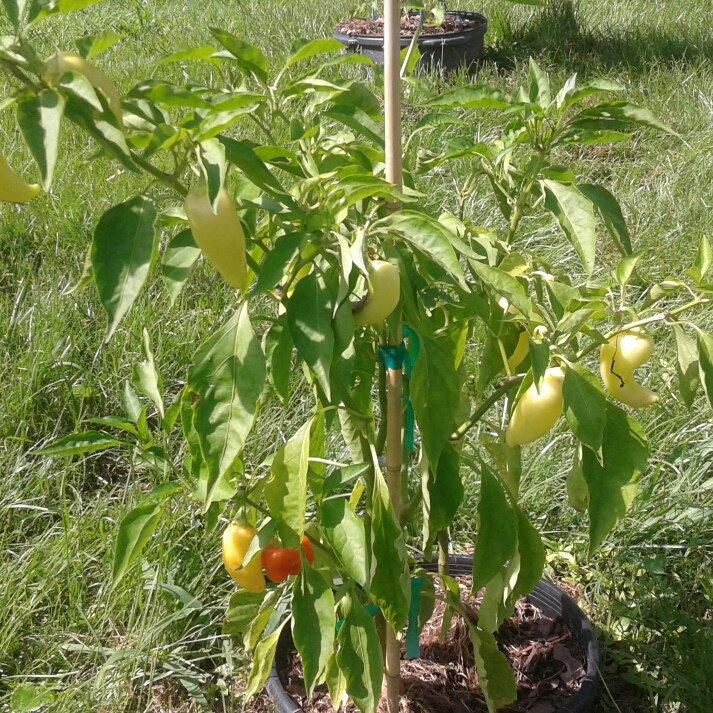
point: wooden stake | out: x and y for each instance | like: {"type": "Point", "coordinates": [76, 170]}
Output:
{"type": "Point", "coordinates": [392, 116]}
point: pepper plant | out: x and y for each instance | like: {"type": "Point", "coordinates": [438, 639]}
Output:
{"type": "Point", "coordinates": [318, 223]}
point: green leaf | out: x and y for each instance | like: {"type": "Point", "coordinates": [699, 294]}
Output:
{"type": "Point", "coordinates": [435, 393]}
{"type": "Point", "coordinates": [336, 682]}
{"type": "Point", "coordinates": [248, 57]}
{"type": "Point", "coordinates": [687, 363]}
{"type": "Point", "coordinates": [345, 533]}
{"type": "Point", "coordinates": [539, 361]}
{"type": "Point", "coordinates": [588, 89]}
{"type": "Point", "coordinates": [227, 376]}
{"type": "Point", "coordinates": [146, 377]}
{"type": "Point", "coordinates": [360, 657]}
{"type": "Point", "coordinates": [497, 531]}
{"type": "Point", "coordinates": [79, 444]}
{"type": "Point", "coordinates": [286, 493]}
{"type": "Point", "coordinates": [204, 53]}
{"type": "Point", "coordinates": [496, 678]}
{"type": "Point", "coordinates": [130, 403]}
{"type": "Point", "coordinates": [612, 484]}
{"type": "Point", "coordinates": [577, 490]}
{"type": "Point", "coordinates": [705, 363]}
{"type": "Point", "coordinates": [278, 352]}
{"type": "Point", "coordinates": [539, 86]}
{"type": "Point", "coordinates": [162, 492]}
{"type": "Point", "coordinates": [92, 45]}
{"type": "Point", "coordinates": [242, 610]}
{"type": "Point", "coordinates": [390, 581]}
{"type": "Point", "coordinates": [39, 117]}
{"type": "Point", "coordinates": [703, 261]}
{"type": "Point", "coordinates": [313, 624]}
{"type": "Point", "coordinates": [505, 285]}
{"type": "Point", "coordinates": [618, 115]}
{"type": "Point", "coordinates": [262, 662]}
{"type": "Point", "coordinates": [135, 529]}
{"type": "Point", "coordinates": [343, 476]}
{"type": "Point", "coordinates": [585, 405]}
{"type": "Point", "coordinates": [359, 121]}
{"type": "Point", "coordinates": [442, 494]}
{"type": "Point", "coordinates": [575, 214]}
{"type": "Point", "coordinates": [610, 212]}
{"type": "Point", "coordinates": [475, 96]}
{"type": "Point", "coordinates": [39, 9]}
{"type": "Point", "coordinates": [532, 556]}
{"type": "Point", "coordinates": [14, 9]}
{"type": "Point", "coordinates": [625, 268]}
{"type": "Point", "coordinates": [168, 95]}
{"type": "Point", "coordinates": [29, 698]}
{"type": "Point", "coordinates": [309, 317]}
{"type": "Point", "coordinates": [178, 262]}
{"type": "Point", "coordinates": [304, 49]}
{"type": "Point", "coordinates": [275, 263]}
{"type": "Point", "coordinates": [122, 253]}
{"type": "Point", "coordinates": [254, 630]}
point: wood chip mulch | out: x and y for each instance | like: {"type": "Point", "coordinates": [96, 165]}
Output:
{"type": "Point", "coordinates": [409, 24]}
{"type": "Point", "coordinates": [547, 659]}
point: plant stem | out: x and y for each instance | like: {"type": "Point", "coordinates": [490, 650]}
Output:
{"type": "Point", "coordinates": [443, 545]}
{"type": "Point", "coordinates": [483, 408]}
{"type": "Point", "coordinates": [165, 178]}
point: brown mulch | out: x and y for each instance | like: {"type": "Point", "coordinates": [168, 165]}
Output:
{"type": "Point", "coordinates": [409, 23]}
{"type": "Point", "coordinates": [548, 664]}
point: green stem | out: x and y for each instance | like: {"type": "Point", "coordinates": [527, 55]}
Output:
{"type": "Point", "coordinates": [165, 178]}
{"type": "Point", "coordinates": [443, 544]}
{"type": "Point", "coordinates": [484, 407]}
{"type": "Point", "coordinates": [519, 210]}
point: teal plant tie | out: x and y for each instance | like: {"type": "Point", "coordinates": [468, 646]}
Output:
{"type": "Point", "coordinates": [373, 9]}
{"type": "Point", "coordinates": [393, 356]}
{"type": "Point", "coordinates": [371, 609]}
{"type": "Point", "coordinates": [413, 650]}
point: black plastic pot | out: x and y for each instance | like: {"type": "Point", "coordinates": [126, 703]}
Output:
{"type": "Point", "coordinates": [449, 51]}
{"type": "Point", "coordinates": [551, 600]}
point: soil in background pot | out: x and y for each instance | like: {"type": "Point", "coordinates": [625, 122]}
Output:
{"type": "Point", "coordinates": [547, 659]}
{"type": "Point", "coordinates": [409, 23]}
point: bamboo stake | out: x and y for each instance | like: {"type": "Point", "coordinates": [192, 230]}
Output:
{"type": "Point", "coordinates": [392, 116]}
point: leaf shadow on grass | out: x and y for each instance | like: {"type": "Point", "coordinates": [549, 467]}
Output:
{"type": "Point", "coordinates": [559, 33]}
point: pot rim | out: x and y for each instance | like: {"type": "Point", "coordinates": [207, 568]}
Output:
{"type": "Point", "coordinates": [546, 595]}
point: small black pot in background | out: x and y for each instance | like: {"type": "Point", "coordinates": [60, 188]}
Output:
{"type": "Point", "coordinates": [449, 51]}
{"type": "Point", "coordinates": [551, 600]}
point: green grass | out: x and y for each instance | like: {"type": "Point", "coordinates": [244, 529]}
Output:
{"type": "Point", "coordinates": [649, 590]}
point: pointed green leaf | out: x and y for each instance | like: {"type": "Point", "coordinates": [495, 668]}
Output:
{"type": "Point", "coordinates": [122, 252]}
{"type": "Point", "coordinates": [92, 45]}
{"type": "Point", "coordinates": [390, 581]}
{"type": "Point", "coordinates": [442, 494]}
{"type": "Point", "coordinates": [227, 376]}
{"type": "Point", "coordinates": [497, 531]}
{"type": "Point", "coordinates": [539, 86]}
{"type": "Point", "coordinates": [345, 533]}
{"type": "Point", "coordinates": [505, 285]}
{"type": "Point", "coordinates": [178, 262]}
{"type": "Point", "coordinates": [575, 214]}
{"type": "Point", "coordinates": [610, 212]}
{"type": "Point", "coordinates": [262, 662]}
{"type": "Point", "coordinates": [577, 490]}
{"type": "Point", "coordinates": [309, 316]}
{"type": "Point", "coordinates": [242, 610]}
{"type": "Point", "coordinates": [146, 377]}
{"type": "Point", "coordinates": [585, 405]}
{"type": "Point", "coordinates": [687, 363]}
{"type": "Point", "coordinates": [135, 529]}
{"type": "Point", "coordinates": [612, 484]}
{"type": "Point", "coordinates": [475, 96]}
{"type": "Point", "coordinates": [275, 263]}
{"type": "Point", "coordinates": [625, 268]}
{"type": "Point", "coordinates": [39, 9]}
{"type": "Point", "coordinates": [360, 657]}
{"type": "Point", "coordinates": [313, 624]}
{"type": "Point", "coordinates": [705, 363]}
{"type": "Point", "coordinates": [496, 678]}
{"type": "Point", "coordinates": [78, 444]}
{"type": "Point", "coordinates": [211, 156]}
{"type": "Point", "coordinates": [704, 258]}
{"type": "Point", "coordinates": [620, 115]}
{"type": "Point", "coordinates": [39, 117]}
{"type": "Point", "coordinates": [336, 682]}
{"type": "Point", "coordinates": [249, 58]}
{"type": "Point", "coordinates": [304, 49]}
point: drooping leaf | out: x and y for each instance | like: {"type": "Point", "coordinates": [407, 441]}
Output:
{"type": "Point", "coordinates": [79, 444]}
{"type": "Point", "coordinates": [687, 363]}
{"type": "Point", "coordinates": [178, 262]}
{"type": "Point", "coordinates": [475, 96]}
{"type": "Point", "coordinates": [575, 214]}
{"type": "Point", "coordinates": [211, 156]}
{"type": "Point", "coordinates": [345, 533]}
{"type": "Point", "coordinates": [612, 484]}
{"type": "Point", "coordinates": [275, 263]}
{"type": "Point", "coordinates": [91, 45]}
{"type": "Point", "coordinates": [168, 95]}
{"type": "Point", "coordinates": [39, 117]}
{"type": "Point", "coordinates": [390, 581]}
{"type": "Point", "coordinates": [577, 490]}
{"type": "Point", "coordinates": [505, 285]}
{"type": "Point", "coordinates": [262, 662]}
{"type": "Point", "coordinates": [227, 376]}
{"type": "Point", "coordinates": [286, 492]}
{"type": "Point", "coordinates": [278, 352]}
{"type": "Point", "coordinates": [585, 405]}
{"type": "Point", "coordinates": [703, 261]}
{"type": "Point", "coordinates": [619, 115]}
{"type": "Point", "coordinates": [497, 532]}
{"type": "Point", "coordinates": [705, 363]}
{"type": "Point", "coordinates": [135, 529]}
{"type": "Point", "coordinates": [146, 377]}
{"type": "Point", "coordinates": [496, 677]}
{"type": "Point", "coordinates": [122, 253]}
{"type": "Point", "coordinates": [39, 9]}
{"type": "Point", "coordinates": [304, 49]}
{"type": "Point", "coordinates": [242, 610]}
{"type": "Point", "coordinates": [435, 393]}
{"type": "Point", "coordinates": [625, 268]}
{"type": "Point", "coordinates": [360, 658]}
{"type": "Point", "coordinates": [336, 682]}
{"type": "Point", "coordinates": [313, 624]}
{"type": "Point", "coordinates": [249, 58]}
{"type": "Point", "coordinates": [309, 316]}
{"type": "Point", "coordinates": [610, 212]}
{"type": "Point", "coordinates": [442, 494]}
{"type": "Point", "coordinates": [359, 121]}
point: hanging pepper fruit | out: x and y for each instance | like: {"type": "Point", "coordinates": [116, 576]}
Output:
{"type": "Point", "coordinates": [219, 235]}
{"type": "Point", "coordinates": [384, 291]}
{"type": "Point", "coordinates": [59, 64]}
{"type": "Point", "coordinates": [281, 562]}
{"type": "Point", "coordinates": [236, 541]}
{"type": "Point", "coordinates": [12, 188]}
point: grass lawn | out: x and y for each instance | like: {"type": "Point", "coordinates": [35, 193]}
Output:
{"type": "Point", "coordinates": [155, 641]}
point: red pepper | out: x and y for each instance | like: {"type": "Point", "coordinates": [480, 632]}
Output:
{"type": "Point", "coordinates": [281, 562]}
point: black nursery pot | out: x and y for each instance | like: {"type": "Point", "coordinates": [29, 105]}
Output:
{"type": "Point", "coordinates": [449, 51]}
{"type": "Point", "coordinates": [551, 600]}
